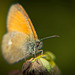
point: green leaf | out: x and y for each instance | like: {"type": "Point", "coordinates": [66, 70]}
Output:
{"type": "Point", "coordinates": [46, 64]}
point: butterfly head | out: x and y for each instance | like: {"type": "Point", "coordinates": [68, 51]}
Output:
{"type": "Point", "coordinates": [38, 44]}
{"type": "Point", "coordinates": [34, 47]}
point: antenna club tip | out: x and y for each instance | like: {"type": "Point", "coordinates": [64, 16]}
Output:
{"type": "Point", "coordinates": [56, 35]}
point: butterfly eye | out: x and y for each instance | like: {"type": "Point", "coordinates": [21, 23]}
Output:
{"type": "Point", "coordinates": [37, 44]}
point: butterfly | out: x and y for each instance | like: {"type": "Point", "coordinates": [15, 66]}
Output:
{"type": "Point", "coordinates": [21, 39]}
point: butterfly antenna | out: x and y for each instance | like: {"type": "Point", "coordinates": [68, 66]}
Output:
{"type": "Point", "coordinates": [49, 37]}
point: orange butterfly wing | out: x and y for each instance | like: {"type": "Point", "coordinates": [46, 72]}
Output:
{"type": "Point", "coordinates": [18, 20]}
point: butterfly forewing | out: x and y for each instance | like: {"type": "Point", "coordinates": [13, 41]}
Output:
{"type": "Point", "coordinates": [18, 20]}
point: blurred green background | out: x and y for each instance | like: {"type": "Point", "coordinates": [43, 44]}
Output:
{"type": "Point", "coordinates": [49, 17]}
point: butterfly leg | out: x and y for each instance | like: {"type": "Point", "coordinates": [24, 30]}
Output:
{"type": "Point", "coordinates": [40, 51]}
